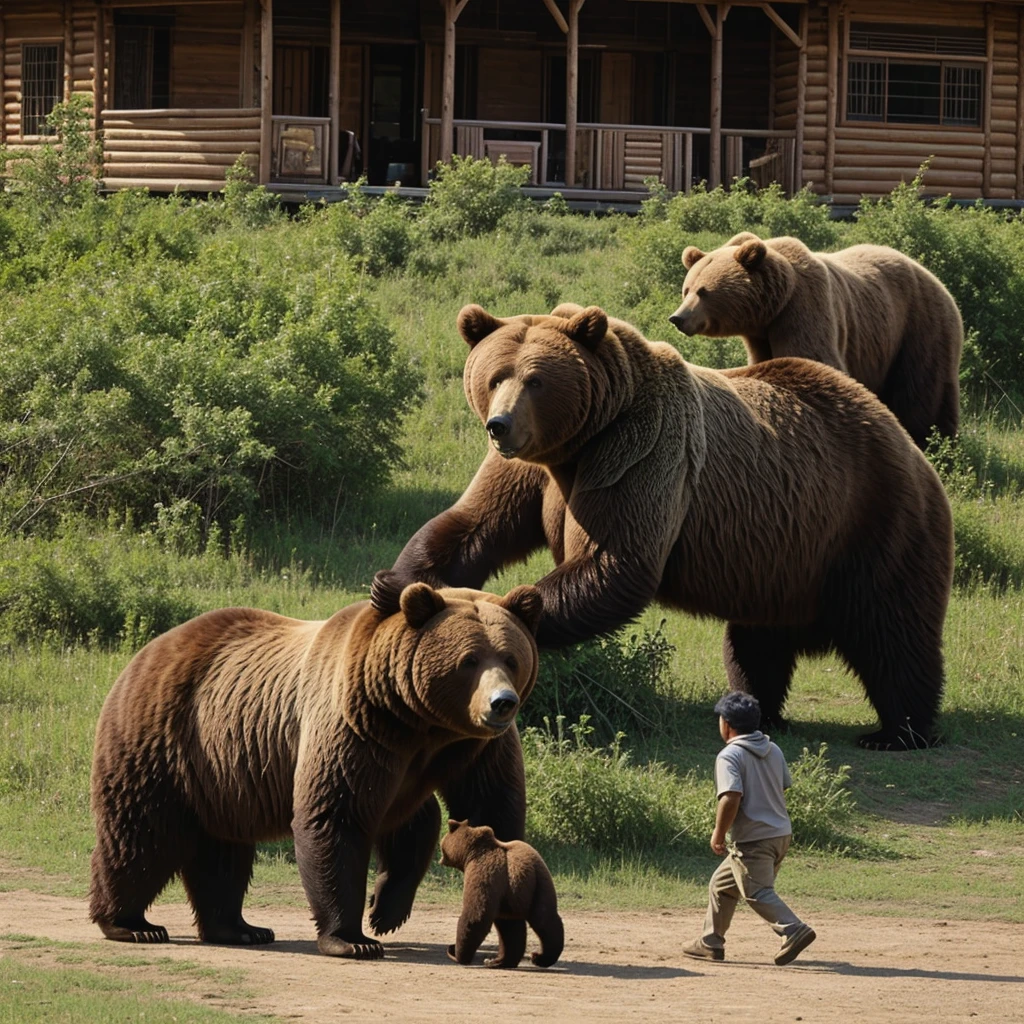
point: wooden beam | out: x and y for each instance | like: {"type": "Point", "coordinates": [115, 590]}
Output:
{"type": "Point", "coordinates": [69, 49]}
{"type": "Point", "coordinates": [715, 140]}
{"type": "Point", "coordinates": [572, 78]}
{"type": "Point", "coordinates": [3, 61]}
{"type": "Point", "coordinates": [557, 15]}
{"type": "Point", "coordinates": [801, 105]}
{"type": "Point", "coordinates": [706, 18]}
{"type": "Point", "coordinates": [452, 10]}
{"type": "Point", "coordinates": [777, 21]}
{"type": "Point", "coordinates": [1019, 193]}
{"type": "Point", "coordinates": [833, 91]}
{"type": "Point", "coordinates": [990, 33]}
{"type": "Point", "coordinates": [266, 88]}
{"type": "Point", "coordinates": [334, 92]}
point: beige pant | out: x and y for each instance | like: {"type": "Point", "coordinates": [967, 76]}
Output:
{"type": "Point", "coordinates": [748, 872]}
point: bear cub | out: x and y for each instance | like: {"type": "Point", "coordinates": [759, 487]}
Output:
{"type": "Point", "coordinates": [503, 881]}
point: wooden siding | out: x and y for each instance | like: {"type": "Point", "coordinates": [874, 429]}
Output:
{"type": "Point", "coordinates": [206, 48]}
{"type": "Point", "coordinates": [509, 84]}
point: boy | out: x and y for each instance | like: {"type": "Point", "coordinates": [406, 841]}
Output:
{"type": "Point", "coordinates": [750, 779]}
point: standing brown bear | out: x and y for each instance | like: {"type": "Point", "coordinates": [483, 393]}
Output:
{"type": "Point", "coordinates": [503, 881]}
{"type": "Point", "coordinates": [867, 310]}
{"type": "Point", "coordinates": [242, 725]}
{"type": "Point", "coordinates": [782, 497]}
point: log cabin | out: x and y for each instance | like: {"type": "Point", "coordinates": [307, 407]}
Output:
{"type": "Point", "coordinates": [847, 97]}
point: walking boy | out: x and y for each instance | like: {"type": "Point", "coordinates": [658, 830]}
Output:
{"type": "Point", "coordinates": [750, 779]}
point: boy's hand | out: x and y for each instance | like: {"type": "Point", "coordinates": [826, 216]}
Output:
{"type": "Point", "coordinates": [718, 842]}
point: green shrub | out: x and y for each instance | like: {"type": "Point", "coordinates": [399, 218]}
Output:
{"type": "Point", "coordinates": [616, 683]}
{"type": "Point", "coordinates": [582, 795]}
{"type": "Point", "coordinates": [378, 234]}
{"type": "Point", "coordinates": [250, 204]}
{"type": "Point", "coordinates": [469, 197]}
{"type": "Point", "coordinates": [820, 805]}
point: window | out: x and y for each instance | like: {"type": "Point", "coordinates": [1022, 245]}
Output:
{"type": "Point", "coordinates": [903, 88]}
{"type": "Point", "coordinates": [142, 61]}
{"type": "Point", "coordinates": [42, 85]}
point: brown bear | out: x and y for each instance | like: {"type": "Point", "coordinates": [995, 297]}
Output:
{"type": "Point", "coordinates": [242, 726]}
{"type": "Point", "coordinates": [867, 310]}
{"type": "Point", "coordinates": [782, 497]}
{"type": "Point", "coordinates": [503, 880]}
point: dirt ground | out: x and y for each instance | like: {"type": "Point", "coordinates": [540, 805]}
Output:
{"type": "Point", "coordinates": [617, 966]}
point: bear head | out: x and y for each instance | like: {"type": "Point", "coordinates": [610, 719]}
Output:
{"type": "Point", "coordinates": [464, 842]}
{"type": "Point", "coordinates": [534, 381]}
{"type": "Point", "coordinates": [456, 661]}
{"type": "Point", "coordinates": [737, 289]}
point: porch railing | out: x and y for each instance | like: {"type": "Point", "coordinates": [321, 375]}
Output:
{"type": "Point", "coordinates": [618, 157]}
{"type": "Point", "coordinates": [177, 148]}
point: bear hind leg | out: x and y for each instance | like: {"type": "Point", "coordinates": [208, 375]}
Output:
{"type": "Point", "coordinates": [403, 857]}
{"type": "Point", "coordinates": [511, 942]}
{"type": "Point", "coordinates": [551, 933]}
{"type": "Point", "coordinates": [759, 660]}
{"type": "Point", "coordinates": [131, 866]}
{"type": "Point", "coordinates": [216, 878]}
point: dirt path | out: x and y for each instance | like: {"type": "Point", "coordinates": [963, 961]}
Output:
{"type": "Point", "coordinates": [616, 967]}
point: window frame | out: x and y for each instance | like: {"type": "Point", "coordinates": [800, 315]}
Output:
{"type": "Point", "coordinates": [58, 45]}
{"type": "Point", "coordinates": [942, 61]}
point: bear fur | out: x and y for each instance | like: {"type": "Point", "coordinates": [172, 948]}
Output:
{"type": "Point", "coordinates": [782, 497]}
{"type": "Point", "coordinates": [241, 726]}
{"type": "Point", "coordinates": [503, 880]}
{"type": "Point", "coordinates": [867, 310]}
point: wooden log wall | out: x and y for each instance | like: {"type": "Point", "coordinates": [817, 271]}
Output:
{"type": "Point", "coordinates": [858, 159]}
{"type": "Point", "coordinates": [188, 149]}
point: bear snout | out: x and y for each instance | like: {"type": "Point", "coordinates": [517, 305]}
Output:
{"type": "Point", "coordinates": [684, 321]}
{"type": "Point", "coordinates": [504, 702]}
{"type": "Point", "coordinates": [499, 426]}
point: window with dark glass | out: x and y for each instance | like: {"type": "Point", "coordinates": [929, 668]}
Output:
{"type": "Point", "coordinates": [42, 85]}
{"type": "Point", "coordinates": [142, 62]}
{"type": "Point", "coordinates": [903, 88]}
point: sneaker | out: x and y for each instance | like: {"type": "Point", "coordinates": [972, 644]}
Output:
{"type": "Point", "coordinates": [699, 951]}
{"type": "Point", "coordinates": [795, 944]}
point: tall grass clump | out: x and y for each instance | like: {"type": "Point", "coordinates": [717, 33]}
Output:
{"type": "Point", "coordinates": [469, 197]}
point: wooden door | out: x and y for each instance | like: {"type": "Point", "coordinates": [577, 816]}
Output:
{"type": "Point", "coordinates": [616, 88]}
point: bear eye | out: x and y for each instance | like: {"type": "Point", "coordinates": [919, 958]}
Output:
{"type": "Point", "coordinates": [533, 382]}
{"type": "Point", "coordinates": [701, 292]}
{"type": "Point", "coordinates": [470, 661]}
{"type": "Point", "coordinates": [512, 663]}
{"type": "Point", "coordinates": [495, 381]}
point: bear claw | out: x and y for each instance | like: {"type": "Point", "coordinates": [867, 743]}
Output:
{"type": "Point", "coordinates": [367, 949]}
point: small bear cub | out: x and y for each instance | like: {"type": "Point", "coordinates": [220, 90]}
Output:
{"type": "Point", "coordinates": [503, 881]}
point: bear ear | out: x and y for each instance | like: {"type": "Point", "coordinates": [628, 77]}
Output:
{"type": "Point", "coordinates": [691, 255]}
{"type": "Point", "coordinates": [567, 309]}
{"type": "Point", "coordinates": [454, 826]}
{"type": "Point", "coordinates": [588, 326]}
{"type": "Point", "coordinates": [475, 323]}
{"type": "Point", "coordinates": [743, 236]}
{"type": "Point", "coordinates": [420, 603]}
{"type": "Point", "coordinates": [526, 604]}
{"type": "Point", "coordinates": [386, 592]}
{"type": "Point", "coordinates": [750, 255]}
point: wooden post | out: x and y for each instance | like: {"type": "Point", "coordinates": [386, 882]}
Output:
{"type": "Point", "coordinates": [99, 69]}
{"type": "Point", "coordinates": [3, 61]}
{"type": "Point", "coordinates": [247, 91]}
{"type": "Point", "coordinates": [715, 139]}
{"type": "Point", "coordinates": [1019, 193]}
{"type": "Point", "coordinates": [801, 103]}
{"type": "Point", "coordinates": [833, 77]}
{"type": "Point", "coordinates": [572, 87]}
{"type": "Point", "coordinates": [452, 10]}
{"type": "Point", "coordinates": [69, 49]}
{"type": "Point", "coordinates": [266, 88]}
{"type": "Point", "coordinates": [990, 45]}
{"type": "Point", "coordinates": [334, 93]}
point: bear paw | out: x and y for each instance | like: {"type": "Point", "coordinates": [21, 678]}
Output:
{"type": "Point", "coordinates": [136, 931]}
{"type": "Point", "coordinates": [244, 935]}
{"type": "Point", "coordinates": [362, 949]}
{"type": "Point", "coordinates": [907, 738]}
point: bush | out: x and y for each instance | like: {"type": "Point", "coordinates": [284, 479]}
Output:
{"type": "Point", "coordinates": [819, 803]}
{"type": "Point", "coordinates": [254, 377]}
{"type": "Point", "coordinates": [582, 795]}
{"type": "Point", "coordinates": [378, 234]}
{"type": "Point", "coordinates": [470, 197]}
{"type": "Point", "coordinates": [616, 683]}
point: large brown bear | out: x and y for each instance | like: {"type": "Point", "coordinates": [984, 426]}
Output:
{"type": "Point", "coordinates": [782, 497]}
{"type": "Point", "coordinates": [867, 310]}
{"type": "Point", "coordinates": [503, 880]}
{"type": "Point", "coordinates": [242, 725]}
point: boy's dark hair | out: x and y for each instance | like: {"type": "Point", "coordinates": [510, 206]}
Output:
{"type": "Point", "coordinates": [740, 710]}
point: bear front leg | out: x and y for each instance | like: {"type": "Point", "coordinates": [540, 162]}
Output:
{"type": "Point", "coordinates": [511, 943]}
{"type": "Point", "coordinates": [333, 860]}
{"type": "Point", "coordinates": [403, 857]}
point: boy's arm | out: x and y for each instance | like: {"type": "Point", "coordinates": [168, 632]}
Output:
{"type": "Point", "coordinates": [725, 815]}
